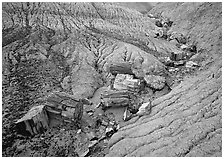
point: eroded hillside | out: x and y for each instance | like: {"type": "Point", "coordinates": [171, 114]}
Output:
{"type": "Point", "coordinates": [68, 47]}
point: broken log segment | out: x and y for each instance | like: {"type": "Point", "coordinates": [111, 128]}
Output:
{"type": "Point", "coordinates": [126, 82]}
{"type": "Point", "coordinates": [56, 108]}
{"type": "Point", "coordinates": [34, 122]}
{"type": "Point", "coordinates": [120, 68]}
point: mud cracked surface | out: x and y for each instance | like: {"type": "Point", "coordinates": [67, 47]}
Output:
{"type": "Point", "coordinates": [185, 122]}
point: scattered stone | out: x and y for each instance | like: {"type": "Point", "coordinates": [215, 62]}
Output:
{"type": "Point", "coordinates": [104, 123]}
{"type": "Point", "coordinates": [66, 83]}
{"type": "Point", "coordinates": [159, 23]}
{"type": "Point", "coordinates": [156, 82]}
{"type": "Point", "coordinates": [79, 131]}
{"type": "Point", "coordinates": [174, 41]}
{"type": "Point", "coordinates": [179, 63]}
{"type": "Point", "coordinates": [181, 39]}
{"type": "Point", "coordinates": [102, 129]}
{"type": "Point", "coordinates": [112, 122]}
{"type": "Point", "coordinates": [109, 131]}
{"type": "Point", "coordinates": [92, 136]}
{"type": "Point", "coordinates": [191, 64]}
{"type": "Point", "coordinates": [166, 61]}
{"type": "Point", "coordinates": [127, 115]}
{"type": "Point", "coordinates": [151, 16]}
{"type": "Point", "coordinates": [184, 47]}
{"type": "Point", "coordinates": [177, 56]}
{"type": "Point", "coordinates": [20, 147]}
{"type": "Point", "coordinates": [92, 143]}
{"type": "Point", "coordinates": [118, 127]}
{"type": "Point", "coordinates": [84, 154]}
{"type": "Point", "coordinates": [173, 69]}
{"type": "Point", "coordinates": [145, 109]}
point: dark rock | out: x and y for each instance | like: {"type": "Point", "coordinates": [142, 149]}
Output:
{"type": "Point", "coordinates": [120, 68]}
{"type": "Point", "coordinates": [159, 23]}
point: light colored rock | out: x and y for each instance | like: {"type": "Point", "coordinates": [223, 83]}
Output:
{"type": "Point", "coordinates": [190, 64]}
{"type": "Point", "coordinates": [144, 109]}
{"type": "Point", "coordinates": [156, 82]}
{"type": "Point", "coordinates": [127, 115]}
{"type": "Point", "coordinates": [174, 42]}
{"type": "Point", "coordinates": [126, 82]}
{"type": "Point", "coordinates": [66, 83]}
{"type": "Point", "coordinates": [183, 46]}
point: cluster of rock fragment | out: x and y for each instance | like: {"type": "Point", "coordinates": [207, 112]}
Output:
{"type": "Point", "coordinates": [185, 50]}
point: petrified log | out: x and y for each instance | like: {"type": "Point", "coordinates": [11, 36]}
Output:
{"type": "Point", "coordinates": [126, 82]}
{"type": "Point", "coordinates": [116, 98]}
{"type": "Point", "coordinates": [34, 122]}
{"type": "Point", "coordinates": [65, 105]}
{"type": "Point", "coordinates": [120, 68]}
{"type": "Point", "coordinates": [57, 107]}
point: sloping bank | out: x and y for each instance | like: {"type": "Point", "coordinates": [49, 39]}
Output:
{"type": "Point", "coordinates": [188, 120]}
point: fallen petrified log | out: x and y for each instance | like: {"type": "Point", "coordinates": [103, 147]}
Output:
{"type": "Point", "coordinates": [120, 68]}
{"type": "Point", "coordinates": [34, 122]}
{"type": "Point", "coordinates": [116, 98]}
{"type": "Point", "coordinates": [56, 106]}
{"type": "Point", "coordinates": [126, 82]}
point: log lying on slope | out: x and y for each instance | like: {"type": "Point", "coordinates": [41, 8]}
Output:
{"type": "Point", "coordinates": [35, 121]}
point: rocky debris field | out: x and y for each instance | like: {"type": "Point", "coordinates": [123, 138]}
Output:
{"type": "Point", "coordinates": [111, 79]}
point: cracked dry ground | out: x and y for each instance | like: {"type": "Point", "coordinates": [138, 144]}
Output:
{"type": "Point", "coordinates": [185, 122]}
